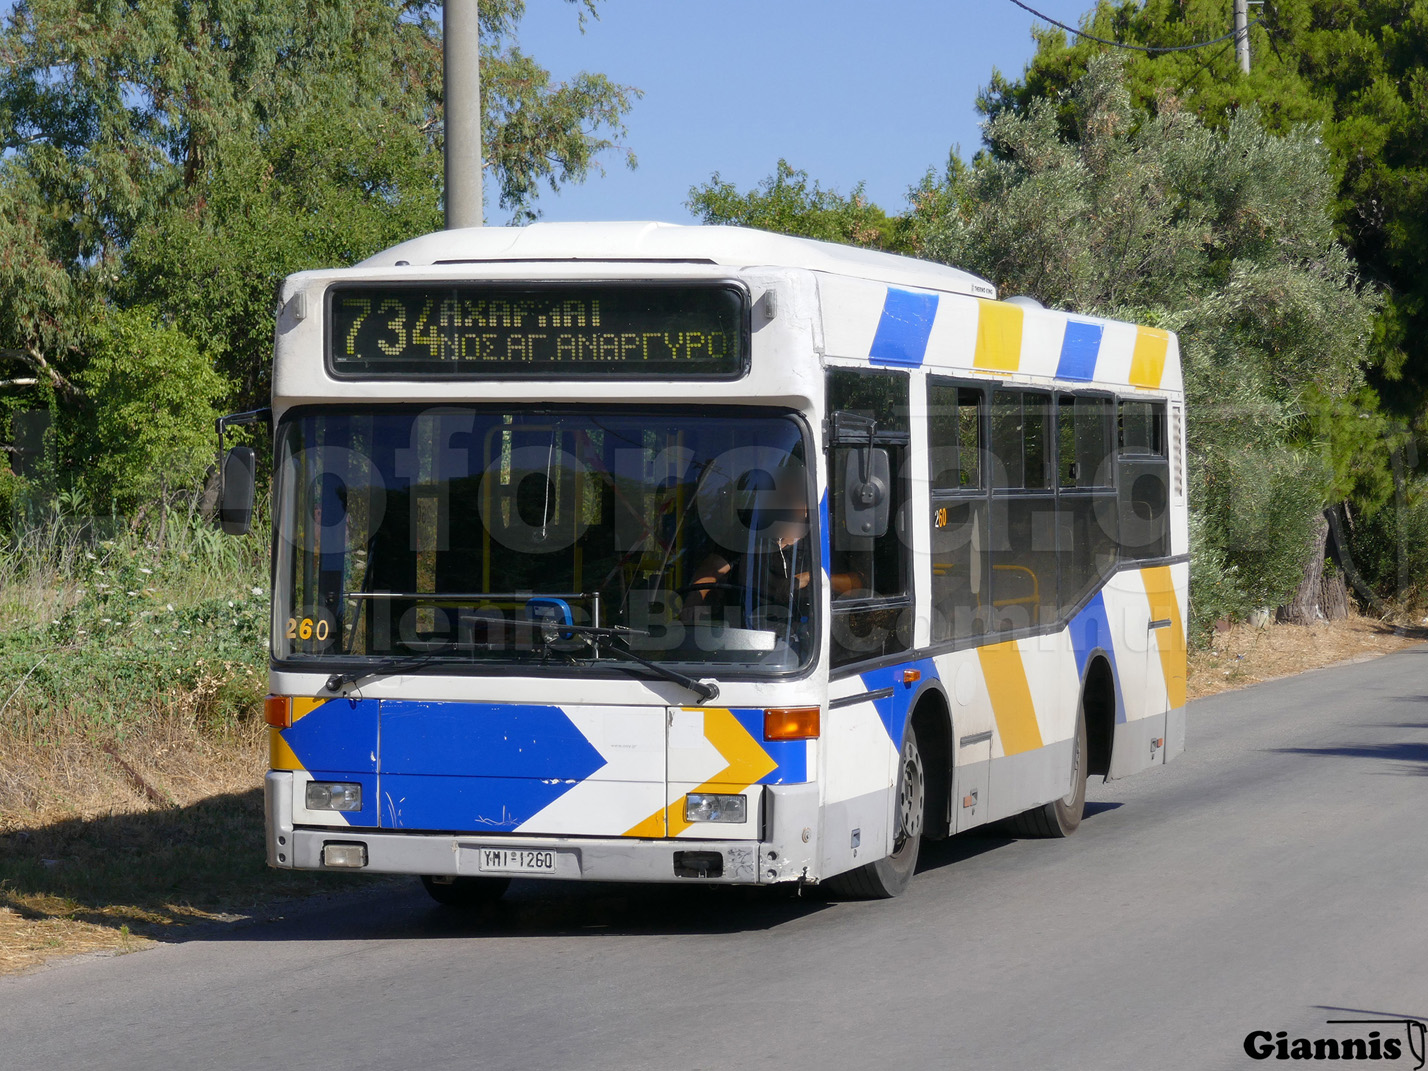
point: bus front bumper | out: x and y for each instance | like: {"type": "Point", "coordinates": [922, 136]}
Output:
{"type": "Point", "coordinates": [792, 807]}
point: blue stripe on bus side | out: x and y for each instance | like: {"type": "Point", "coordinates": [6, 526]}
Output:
{"type": "Point", "coordinates": [1079, 349]}
{"type": "Point", "coordinates": [892, 710]}
{"type": "Point", "coordinates": [904, 329]}
{"type": "Point", "coordinates": [1091, 629]}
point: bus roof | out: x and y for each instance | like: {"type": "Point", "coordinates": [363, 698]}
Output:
{"type": "Point", "coordinates": [734, 247]}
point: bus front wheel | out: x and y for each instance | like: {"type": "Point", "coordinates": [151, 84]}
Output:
{"type": "Point", "coordinates": [465, 892]}
{"type": "Point", "coordinates": [890, 877]}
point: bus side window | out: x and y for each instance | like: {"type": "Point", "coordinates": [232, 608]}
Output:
{"type": "Point", "coordinates": [1143, 480]}
{"type": "Point", "coordinates": [960, 572]}
{"type": "Point", "coordinates": [1023, 513]}
{"type": "Point", "coordinates": [1087, 528]}
{"type": "Point", "coordinates": [870, 575]}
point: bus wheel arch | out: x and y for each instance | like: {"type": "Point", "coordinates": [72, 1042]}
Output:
{"type": "Point", "coordinates": [932, 718]}
{"type": "Point", "coordinates": [1098, 700]}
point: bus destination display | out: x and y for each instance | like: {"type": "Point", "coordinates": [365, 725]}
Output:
{"type": "Point", "coordinates": [480, 330]}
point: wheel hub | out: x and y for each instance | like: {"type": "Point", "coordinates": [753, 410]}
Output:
{"type": "Point", "coordinates": [910, 796]}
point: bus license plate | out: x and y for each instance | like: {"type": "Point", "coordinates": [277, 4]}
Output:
{"type": "Point", "coordinates": [517, 860]}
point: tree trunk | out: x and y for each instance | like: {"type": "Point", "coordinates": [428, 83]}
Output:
{"type": "Point", "coordinates": [208, 500]}
{"type": "Point", "coordinates": [1334, 591]}
{"type": "Point", "coordinates": [1334, 596]}
{"type": "Point", "coordinates": [1307, 605]}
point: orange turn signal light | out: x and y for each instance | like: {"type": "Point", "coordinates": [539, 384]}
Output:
{"type": "Point", "coordinates": [792, 723]}
{"type": "Point", "coordinates": [278, 711]}
{"type": "Point", "coordinates": [911, 676]}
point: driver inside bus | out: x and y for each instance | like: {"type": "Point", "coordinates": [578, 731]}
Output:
{"type": "Point", "coordinates": [777, 572]}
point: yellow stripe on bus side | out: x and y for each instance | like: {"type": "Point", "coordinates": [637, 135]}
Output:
{"type": "Point", "coordinates": [1011, 697]}
{"type": "Point", "coordinates": [998, 336]}
{"type": "Point", "coordinates": [1164, 606]}
{"type": "Point", "coordinates": [1148, 358]}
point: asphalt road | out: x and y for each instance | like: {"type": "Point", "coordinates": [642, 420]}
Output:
{"type": "Point", "coordinates": [1270, 879]}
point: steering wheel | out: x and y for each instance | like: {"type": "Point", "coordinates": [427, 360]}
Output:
{"type": "Point", "coordinates": [718, 585]}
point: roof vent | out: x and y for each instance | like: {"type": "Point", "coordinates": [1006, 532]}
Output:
{"type": "Point", "coordinates": [1025, 302]}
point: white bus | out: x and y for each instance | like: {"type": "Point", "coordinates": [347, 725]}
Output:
{"type": "Point", "coordinates": [641, 552]}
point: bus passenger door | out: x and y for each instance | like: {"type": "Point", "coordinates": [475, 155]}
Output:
{"type": "Point", "coordinates": [1140, 738]}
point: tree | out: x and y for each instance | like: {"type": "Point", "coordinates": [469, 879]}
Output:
{"type": "Point", "coordinates": [786, 203]}
{"type": "Point", "coordinates": [1090, 202]}
{"type": "Point", "coordinates": [182, 156]}
{"type": "Point", "coordinates": [1356, 69]}
{"type": "Point", "coordinates": [147, 428]}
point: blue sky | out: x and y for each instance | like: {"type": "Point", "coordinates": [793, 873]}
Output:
{"type": "Point", "coordinates": [873, 91]}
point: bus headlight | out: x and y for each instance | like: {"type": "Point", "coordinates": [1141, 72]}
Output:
{"type": "Point", "coordinates": [712, 807]}
{"type": "Point", "coordinates": [333, 796]}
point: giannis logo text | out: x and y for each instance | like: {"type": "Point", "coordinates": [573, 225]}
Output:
{"type": "Point", "coordinates": [1385, 1039]}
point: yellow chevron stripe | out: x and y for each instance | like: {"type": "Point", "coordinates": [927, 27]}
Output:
{"type": "Point", "coordinates": [998, 336]}
{"type": "Point", "coordinates": [653, 826]}
{"type": "Point", "coordinates": [1148, 358]}
{"type": "Point", "coordinates": [280, 755]}
{"type": "Point", "coordinates": [1160, 590]}
{"type": "Point", "coordinates": [1012, 706]}
{"type": "Point", "coordinates": [303, 706]}
{"type": "Point", "coordinates": [747, 763]}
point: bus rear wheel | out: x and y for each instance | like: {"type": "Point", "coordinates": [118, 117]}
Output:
{"type": "Point", "coordinates": [1060, 818]}
{"type": "Point", "coordinates": [890, 877]}
{"type": "Point", "coordinates": [464, 892]}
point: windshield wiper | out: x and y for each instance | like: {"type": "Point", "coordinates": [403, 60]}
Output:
{"type": "Point", "coordinates": [338, 681]}
{"type": "Point", "coordinates": [599, 639]}
{"type": "Point", "coordinates": [706, 690]}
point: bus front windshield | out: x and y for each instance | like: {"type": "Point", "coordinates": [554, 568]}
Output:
{"type": "Point", "coordinates": [463, 535]}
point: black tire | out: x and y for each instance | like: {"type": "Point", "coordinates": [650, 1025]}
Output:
{"type": "Point", "coordinates": [1060, 818]}
{"type": "Point", "coordinates": [890, 877]}
{"type": "Point", "coordinates": [465, 892]}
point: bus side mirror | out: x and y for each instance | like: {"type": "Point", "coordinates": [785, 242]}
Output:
{"type": "Point", "coordinates": [867, 482]}
{"type": "Point", "coordinates": [235, 495]}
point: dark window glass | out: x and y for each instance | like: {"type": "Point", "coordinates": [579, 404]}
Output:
{"type": "Point", "coordinates": [1084, 441]}
{"type": "Point", "coordinates": [943, 467]}
{"type": "Point", "coordinates": [970, 444]}
{"type": "Point", "coordinates": [428, 531]}
{"type": "Point", "coordinates": [1023, 562]}
{"type": "Point", "coordinates": [872, 602]}
{"type": "Point", "coordinates": [1144, 518]}
{"type": "Point", "coordinates": [954, 430]}
{"type": "Point", "coordinates": [961, 585]}
{"type": "Point", "coordinates": [1035, 416]}
{"type": "Point", "coordinates": [873, 566]}
{"type": "Point", "coordinates": [1142, 427]}
{"type": "Point", "coordinates": [1066, 440]}
{"type": "Point", "coordinates": [1007, 432]}
{"type": "Point", "coordinates": [871, 632]}
{"type": "Point", "coordinates": [1085, 545]}
{"type": "Point", "coordinates": [879, 395]}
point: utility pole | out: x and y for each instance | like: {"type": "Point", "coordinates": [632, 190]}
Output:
{"type": "Point", "coordinates": [461, 74]}
{"type": "Point", "coordinates": [1242, 34]}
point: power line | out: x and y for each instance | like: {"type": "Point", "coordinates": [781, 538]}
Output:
{"type": "Point", "coordinates": [1136, 48]}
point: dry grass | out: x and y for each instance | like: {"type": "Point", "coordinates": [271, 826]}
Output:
{"type": "Point", "coordinates": [1247, 655]}
{"type": "Point", "coordinates": [131, 747]}
{"type": "Point", "coordinates": [136, 843]}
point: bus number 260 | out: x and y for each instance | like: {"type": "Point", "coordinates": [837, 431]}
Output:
{"type": "Point", "coordinates": [305, 628]}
